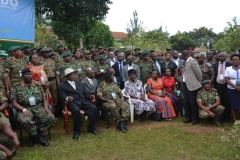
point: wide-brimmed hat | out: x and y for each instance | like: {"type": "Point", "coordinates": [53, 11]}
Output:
{"type": "Point", "coordinates": [68, 71]}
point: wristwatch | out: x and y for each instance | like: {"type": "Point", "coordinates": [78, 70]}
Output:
{"type": "Point", "coordinates": [24, 109]}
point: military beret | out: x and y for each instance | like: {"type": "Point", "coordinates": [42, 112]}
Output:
{"type": "Point", "coordinates": [117, 51]}
{"type": "Point", "coordinates": [127, 51]}
{"type": "Point", "coordinates": [144, 52]}
{"type": "Point", "coordinates": [219, 51]}
{"type": "Point", "coordinates": [33, 49]}
{"type": "Point", "coordinates": [92, 46]}
{"type": "Point", "coordinates": [151, 51]}
{"type": "Point", "coordinates": [205, 81]}
{"type": "Point", "coordinates": [46, 49]}
{"type": "Point", "coordinates": [107, 74]}
{"type": "Point", "coordinates": [25, 70]}
{"type": "Point", "coordinates": [100, 57]}
{"type": "Point", "coordinates": [65, 54]}
{"type": "Point", "coordinates": [10, 49]}
{"type": "Point", "coordinates": [59, 45]}
{"type": "Point", "coordinates": [110, 48]}
{"type": "Point", "coordinates": [137, 49]}
{"type": "Point", "coordinates": [50, 54]}
{"type": "Point", "coordinates": [14, 48]}
{"type": "Point", "coordinates": [25, 46]}
{"type": "Point", "coordinates": [39, 49]}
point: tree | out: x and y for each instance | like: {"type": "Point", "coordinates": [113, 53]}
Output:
{"type": "Point", "coordinates": [181, 42]}
{"type": "Point", "coordinates": [100, 35]}
{"type": "Point", "coordinates": [70, 19]}
{"type": "Point", "coordinates": [229, 41]}
{"type": "Point", "coordinates": [135, 26]}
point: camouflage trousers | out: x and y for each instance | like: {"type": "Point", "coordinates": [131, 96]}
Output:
{"type": "Point", "coordinates": [3, 155]}
{"type": "Point", "coordinates": [119, 110]}
{"type": "Point", "coordinates": [218, 111]}
{"type": "Point", "coordinates": [36, 112]}
{"type": "Point", "coordinates": [54, 93]}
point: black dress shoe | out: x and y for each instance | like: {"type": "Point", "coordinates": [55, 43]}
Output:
{"type": "Point", "coordinates": [194, 122]}
{"type": "Point", "coordinates": [121, 127]}
{"type": "Point", "coordinates": [94, 132]}
{"type": "Point", "coordinates": [140, 119]}
{"type": "Point", "coordinates": [75, 135]}
{"type": "Point", "coordinates": [103, 118]}
{"type": "Point", "coordinates": [41, 140]}
{"type": "Point", "coordinates": [187, 121]}
{"type": "Point", "coordinates": [31, 141]}
{"type": "Point", "coordinates": [124, 125]}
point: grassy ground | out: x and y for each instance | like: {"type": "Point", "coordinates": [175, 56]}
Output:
{"type": "Point", "coordinates": [147, 140]}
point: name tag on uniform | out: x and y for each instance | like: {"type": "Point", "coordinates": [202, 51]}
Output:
{"type": "Point", "coordinates": [32, 101]}
{"type": "Point", "coordinates": [209, 105]}
{"type": "Point", "coordinates": [79, 70]}
{"type": "Point", "coordinates": [101, 70]}
{"type": "Point", "coordinates": [89, 68]}
{"type": "Point", "coordinates": [138, 94]}
{"type": "Point", "coordinates": [42, 79]}
{"type": "Point", "coordinates": [221, 77]}
{"type": "Point", "coordinates": [114, 96]}
{"type": "Point", "coordinates": [20, 73]}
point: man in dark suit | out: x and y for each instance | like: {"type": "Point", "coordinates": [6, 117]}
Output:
{"type": "Point", "coordinates": [192, 77]}
{"type": "Point", "coordinates": [118, 67]}
{"type": "Point", "coordinates": [76, 94]}
{"type": "Point", "coordinates": [179, 62]}
{"type": "Point", "coordinates": [220, 84]}
{"type": "Point", "coordinates": [158, 64]}
{"type": "Point", "coordinates": [90, 81]}
{"type": "Point", "coordinates": [130, 66]}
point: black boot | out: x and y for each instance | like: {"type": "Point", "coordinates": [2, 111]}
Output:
{"type": "Point", "coordinates": [41, 140]}
{"type": "Point", "coordinates": [31, 141]}
{"type": "Point", "coordinates": [121, 127]}
{"type": "Point", "coordinates": [124, 126]}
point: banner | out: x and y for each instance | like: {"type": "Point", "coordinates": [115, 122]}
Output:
{"type": "Point", "coordinates": [17, 20]}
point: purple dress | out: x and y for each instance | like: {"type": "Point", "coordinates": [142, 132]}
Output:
{"type": "Point", "coordinates": [136, 89]}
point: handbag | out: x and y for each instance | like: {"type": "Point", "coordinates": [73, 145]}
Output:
{"type": "Point", "coordinates": [155, 116]}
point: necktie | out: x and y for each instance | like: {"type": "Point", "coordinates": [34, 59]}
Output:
{"type": "Point", "coordinates": [91, 82]}
{"type": "Point", "coordinates": [120, 70]}
{"type": "Point", "coordinates": [112, 60]}
{"type": "Point", "coordinates": [73, 85]}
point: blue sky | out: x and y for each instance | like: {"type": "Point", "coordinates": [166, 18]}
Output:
{"type": "Point", "coordinates": [175, 15]}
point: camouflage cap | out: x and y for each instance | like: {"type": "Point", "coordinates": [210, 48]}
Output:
{"type": "Point", "coordinates": [46, 49]}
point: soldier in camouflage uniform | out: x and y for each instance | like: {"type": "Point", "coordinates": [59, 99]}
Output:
{"type": "Point", "coordinates": [100, 69]}
{"type": "Point", "coordinates": [30, 101]}
{"type": "Point", "coordinates": [58, 55]}
{"type": "Point", "coordinates": [111, 97]}
{"type": "Point", "coordinates": [7, 136]}
{"type": "Point", "coordinates": [206, 69]}
{"type": "Point", "coordinates": [15, 64]}
{"type": "Point", "coordinates": [50, 69]}
{"type": "Point", "coordinates": [76, 61]}
{"type": "Point", "coordinates": [146, 67]}
{"type": "Point", "coordinates": [67, 59]}
{"type": "Point", "coordinates": [209, 57]}
{"type": "Point", "coordinates": [209, 103]}
{"type": "Point", "coordinates": [26, 51]}
{"type": "Point", "coordinates": [87, 64]}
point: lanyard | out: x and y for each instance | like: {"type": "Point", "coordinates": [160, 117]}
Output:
{"type": "Point", "coordinates": [236, 70]}
{"type": "Point", "coordinates": [20, 64]}
{"type": "Point", "coordinates": [110, 88]}
{"type": "Point", "coordinates": [29, 90]}
{"type": "Point", "coordinates": [209, 98]}
{"type": "Point", "coordinates": [89, 64]}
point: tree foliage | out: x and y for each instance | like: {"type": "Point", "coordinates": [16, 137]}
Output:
{"type": "Point", "coordinates": [135, 26]}
{"type": "Point", "coordinates": [100, 35]}
{"type": "Point", "coordinates": [70, 19]}
{"type": "Point", "coordinates": [181, 42]}
{"type": "Point", "coordinates": [229, 41]}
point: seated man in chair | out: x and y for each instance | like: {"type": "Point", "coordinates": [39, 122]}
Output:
{"type": "Point", "coordinates": [111, 97]}
{"type": "Point", "coordinates": [30, 101]}
{"type": "Point", "coordinates": [76, 94]}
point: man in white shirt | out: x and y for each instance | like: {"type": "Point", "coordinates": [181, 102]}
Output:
{"type": "Point", "coordinates": [129, 66]}
{"type": "Point", "coordinates": [111, 59]}
{"type": "Point", "coordinates": [176, 60]}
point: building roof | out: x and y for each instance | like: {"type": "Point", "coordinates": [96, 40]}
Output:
{"type": "Point", "coordinates": [119, 35]}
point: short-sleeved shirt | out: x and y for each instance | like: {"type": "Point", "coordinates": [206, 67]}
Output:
{"type": "Point", "coordinates": [232, 75]}
{"type": "Point", "coordinates": [86, 65]}
{"type": "Point", "coordinates": [62, 67]}
{"type": "Point", "coordinates": [49, 67]}
{"type": "Point", "coordinates": [207, 71]}
{"type": "Point", "coordinates": [168, 84]}
{"type": "Point", "coordinates": [98, 68]}
{"type": "Point", "coordinates": [105, 90]}
{"type": "Point", "coordinates": [13, 67]}
{"type": "Point", "coordinates": [22, 95]}
{"type": "Point", "coordinates": [207, 97]}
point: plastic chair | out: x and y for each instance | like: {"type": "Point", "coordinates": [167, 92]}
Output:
{"type": "Point", "coordinates": [131, 105]}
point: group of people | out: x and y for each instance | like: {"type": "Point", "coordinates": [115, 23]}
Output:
{"type": "Point", "coordinates": [205, 85]}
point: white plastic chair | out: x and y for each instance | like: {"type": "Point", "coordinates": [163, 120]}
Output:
{"type": "Point", "coordinates": [144, 87]}
{"type": "Point", "coordinates": [131, 105]}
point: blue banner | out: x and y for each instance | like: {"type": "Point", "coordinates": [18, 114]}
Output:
{"type": "Point", "coordinates": [17, 20]}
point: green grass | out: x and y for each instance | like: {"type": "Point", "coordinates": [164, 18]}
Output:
{"type": "Point", "coordinates": [147, 140]}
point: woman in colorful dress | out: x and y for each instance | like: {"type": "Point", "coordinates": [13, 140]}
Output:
{"type": "Point", "coordinates": [157, 93]}
{"type": "Point", "coordinates": [134, 89]}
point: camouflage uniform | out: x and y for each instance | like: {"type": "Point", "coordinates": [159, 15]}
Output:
{"type": "Point", "coordinates": [209, 98]}
{"type": "Point", "coordinates": [58, 59]}
{"type": "Point", "coordinates": [13, 67]}
{"type": "Point", "coordinates": [21, 94]}
{"type": "Point", "coordinates": [62, 67]}
{"type": "Point", "coordinates": [207, 71]}
{"type": "Point", "coordinates": [98, 68]}
{"type": "Point", "coordinates": [136, 60]}
{"type": "Point", "coordinates": [146, 69]}
{"type": "Point", "coordinates": [50, 69]}
{"type": "Point", "coordinates": [163, 59]}
{"type": "Point", "coordinates": [85, 65]}
{"type": "Point", "coordinates": [77, 64]}
{"type": "Point", "coordinates": [105, 90]}
{"type": "Point", "coordinates": [210, 62]}
{"type": "Point", "coordinates": [4, 140]}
